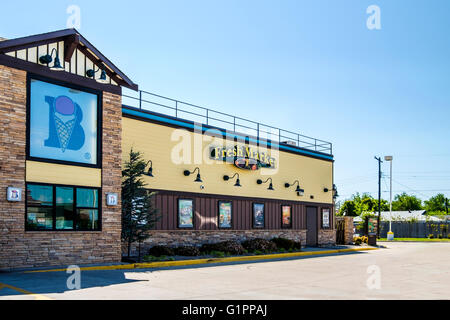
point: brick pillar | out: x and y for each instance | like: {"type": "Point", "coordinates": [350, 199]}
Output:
{"type": "Point", "coordinates": [12, 163]}
{"type": "Point", "coordinates": [348, 230]}
{"type": "Point", "coordinates": [112, 172]}
{"type": "Point", "coordinates": [20, 249]}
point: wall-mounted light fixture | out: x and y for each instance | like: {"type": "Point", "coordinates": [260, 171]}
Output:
{"type": "Point", "coordinates": [48, 58]}
{"type": "Point", "coordinates": [300, 191]}
{"type": "Point", "coordinates": [91, 74]}
{"type": "Point", "coordinates": [238, 180]}
{"type": "Point", "coordinates": [150, 170]}
{"type": "Point", "coordinates": [259, 181]}
{"type": "Point", "coordinates": [187, 173]}
{"type": "Point", "coordinates": [335, 193]}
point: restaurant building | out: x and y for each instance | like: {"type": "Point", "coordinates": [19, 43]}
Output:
{"type": "Point", "coordinates": [67, 126]}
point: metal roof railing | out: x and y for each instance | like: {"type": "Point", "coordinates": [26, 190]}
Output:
{"type": "Point", "coordinates": [148, 101]}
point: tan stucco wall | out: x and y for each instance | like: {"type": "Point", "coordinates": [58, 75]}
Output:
{"type": "Point", "coordinates": [63, 174]}
{"type": "Point", "coordinates": [160, 144]}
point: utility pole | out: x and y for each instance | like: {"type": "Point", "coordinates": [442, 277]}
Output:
{"type": "Point", "coordinates": [390, 235]}
{"type": "Point", "coordinates": [379, 196]}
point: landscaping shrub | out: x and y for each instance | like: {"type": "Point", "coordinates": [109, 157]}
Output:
{"type": "Point", "coordinates": [357, 241]}
{"type": "Point", "coordinates": [187, 251]}
{"type": "Point", "coordinates": [259, 245]}
{"type": "Point", "coordinates": [217, 254]}
{"type": "Point", "coordinates": [159, 251]}
{"type": "Point", "coordinates": [161, 258]}
{"type": "Point", "coordinates": [230, 247]}
{"type": "Point", "coordinates": [286, 244]}
{"type": "Point", "coordinates": [364, 239]}
{"type": "Point", "coordinates": [431, 236]}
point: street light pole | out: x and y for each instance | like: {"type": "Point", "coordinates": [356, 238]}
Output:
{"type": "Point", "coordinates": [379, 196]}
{"type": "Point", "coordinates": [390, 235]}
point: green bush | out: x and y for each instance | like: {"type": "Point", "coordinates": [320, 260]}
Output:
{"type": "Point", "coordinates": [217, 254]}
{"type": "Point", "coordinates": [161, 258]}
{"type": "Point", "coordinates": [187, 251]}
{"type": "Point", "coordinates": [259, 245]}
{"type": "Point", "coordinates": [440, 236]}
{"type": "Point", "coordinates": [230, 247]}
{"type": "Point", "coordinates": [286, 244]}
{"type": "Point", "coordinates": [431, 236]}
{"type": "Point", "coordinates": [159, 251]}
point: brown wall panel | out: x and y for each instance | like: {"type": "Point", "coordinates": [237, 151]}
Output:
{"type": "Point", "coordinates": [206, 212]}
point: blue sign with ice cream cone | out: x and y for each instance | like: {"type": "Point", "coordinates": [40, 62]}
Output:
{"type": "Point", "coordinates": [63, 123]}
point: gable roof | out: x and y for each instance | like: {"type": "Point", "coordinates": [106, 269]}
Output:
{"type": "Point", "coordinates": [72, 41]}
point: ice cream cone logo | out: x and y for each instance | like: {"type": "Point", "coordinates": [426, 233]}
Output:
{"type": "Point", "coordinates": [65, 124]}
{"type": "Point", "coordinates": [65, 117]}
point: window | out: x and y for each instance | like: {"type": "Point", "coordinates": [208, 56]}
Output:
{"type": "Point", "coordinates": [87, 209]}
{"type": "Point", "coordinates": [62, 208]}
{"type": "Point", "coordinates": [63, 124]}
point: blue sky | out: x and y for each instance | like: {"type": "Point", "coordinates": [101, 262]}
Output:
{"type": "Point", "coordinates": [307, 66]}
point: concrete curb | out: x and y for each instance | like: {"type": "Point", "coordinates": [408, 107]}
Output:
{"type": "Point", "coordinates": [180, 263]}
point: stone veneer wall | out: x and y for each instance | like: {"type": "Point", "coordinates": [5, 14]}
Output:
{"type": "Point", "coordinates": [348, 229]}
{"type": "Point", "coordinates": [327, 238]}
{"type": "Point", "coordinates": [174, 238]}
{"type": "Point", "coordinates": [20, 249]}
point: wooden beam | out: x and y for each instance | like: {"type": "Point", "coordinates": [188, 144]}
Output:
{"type": "Point", "coordinates": [70, 45]}
{"type": "Point", "coordinates": [99, 64]}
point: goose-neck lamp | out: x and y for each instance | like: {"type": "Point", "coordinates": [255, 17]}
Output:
{"type": "Point", "coordinates": [335, 193]}
{"type": "Point", "coordinates": [48, 58]}
{"type": "Point", "coordinates": [300, 191]}
{"type": "Point", "coordinates": [238, 180]}
{"type": "Point", "coordinates": [259, 181]}
{"type": "Point", "coordinates": [150, 170]}
{"type": "Point", "coordinates": [91, 74]}
{"type": "Point", "coordinates": [187, 173]}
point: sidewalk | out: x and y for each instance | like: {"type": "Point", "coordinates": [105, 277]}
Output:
{"type": "Point", "coordinates": [308, 251]}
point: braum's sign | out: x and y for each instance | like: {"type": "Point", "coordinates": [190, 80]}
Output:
{"type": "Point", "coordinates": [244, 157]}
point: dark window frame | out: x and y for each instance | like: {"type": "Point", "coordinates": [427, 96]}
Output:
{"type": "Point", "coordinates": [283, 226]}
{"type": "Point", "coordinates": [99, 94]}
{"type": "Point", "coordinates": [231, 227]}
{"type": "Point", "coordinates": [75, 208]}
{"type": "Point", "coordinates": [193, 214]}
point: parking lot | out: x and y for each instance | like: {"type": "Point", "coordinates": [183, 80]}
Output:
{"type": "Point", "coordinates": [399, 271]}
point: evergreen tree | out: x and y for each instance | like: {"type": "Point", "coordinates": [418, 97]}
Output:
{"type": "Point", "coordinates": [138, 212]}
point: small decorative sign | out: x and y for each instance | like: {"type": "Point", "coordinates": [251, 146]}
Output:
{"type": "Point", "coordinates": [185, 213]}
{"type": "Point", "coordinates": [112, 199]}
{"type": "Point", "coordinates": [325, 218]}
{"type": "Point", "coordinates": [14, 194]}
{"type": "Point", "coordinates": [286, 215]}
{"type": "Point", "coordinates": [258, 215]}
{"type": "Point", "coordinates": [372, 226]}
{"type": "Point", "coordinates": [225, 211]}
